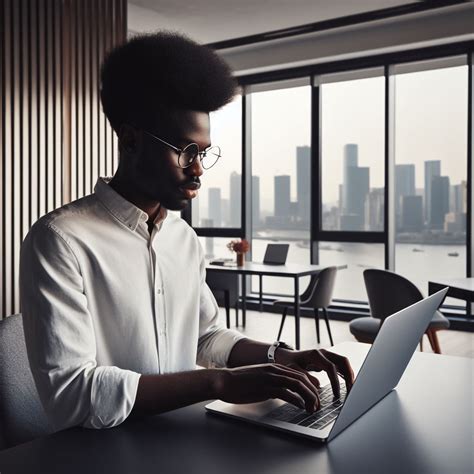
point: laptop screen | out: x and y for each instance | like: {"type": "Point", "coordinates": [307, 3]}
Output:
{"type": "Point", "coordinates": [276, 254]}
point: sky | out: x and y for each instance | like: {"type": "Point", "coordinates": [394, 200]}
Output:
{"type": "Point", "coordinates": [430, 124]}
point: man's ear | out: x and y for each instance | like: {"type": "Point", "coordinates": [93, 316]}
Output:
{"type": "Point", "coordinates": [129, 138]}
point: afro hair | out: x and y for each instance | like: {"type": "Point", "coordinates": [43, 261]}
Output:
{"type": "Point", "coordinates": [155, 73]}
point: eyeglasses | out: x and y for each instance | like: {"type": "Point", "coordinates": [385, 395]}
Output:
{"type": "Point", "coordinates": [189, 153]}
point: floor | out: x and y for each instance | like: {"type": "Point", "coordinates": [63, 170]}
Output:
{"type": "Point", "coordinates": [264, 327]}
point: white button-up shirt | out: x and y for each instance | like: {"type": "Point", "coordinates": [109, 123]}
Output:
{"type": "Point", "coordinates": [103, 302]}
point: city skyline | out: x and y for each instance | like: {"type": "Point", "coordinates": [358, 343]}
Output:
{"type": "Point", "coordinates": [439, 207]}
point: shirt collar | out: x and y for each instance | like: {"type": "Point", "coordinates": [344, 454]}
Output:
{"type": "Point", "coordinates": [123, 210]}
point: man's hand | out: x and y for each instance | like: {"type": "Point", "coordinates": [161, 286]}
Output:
{"type": "Point", "coordinates": [318, 360]}
{"type": "Point", "coordinates": [256, 383]}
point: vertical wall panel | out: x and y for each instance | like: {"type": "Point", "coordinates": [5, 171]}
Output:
{"type": "Point", "coordinates": [55, 141]}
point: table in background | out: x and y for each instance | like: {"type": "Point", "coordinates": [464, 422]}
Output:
{"type": "Point", "coordinates": [290, 270]}
{"type": "Point", "coordinates": [462, 288]}
{"type": "Point", "coordinates": [425, 426]}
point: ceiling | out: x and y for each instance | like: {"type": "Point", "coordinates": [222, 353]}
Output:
{"type": "Point", "coordinates": [208, 21]}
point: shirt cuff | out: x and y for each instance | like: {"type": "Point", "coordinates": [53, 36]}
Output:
{"type": "Point", "coordinates": [216, 349]}
{"type": "Point", "coordinates": [113, 394]}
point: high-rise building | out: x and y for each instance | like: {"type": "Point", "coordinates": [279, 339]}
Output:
{"type": "Point", "coordinates": [235, 199]}
{"type": "Point", "coordinates": [432, 169]}
{"type": "Point", "coordinates": [374, 210]}
{"type": "Point", "coordinates": [404, 186]}
{"type": "Point", "coordinates": [215, 206]}
{"type": "Point", "coordinates": [303, 182]}
{"type": "Point", "coordinates": [282, 196]}
{"type": "Point", "coordinates": [225, 213]}
{"type": "Point", "coordinates": [458, 198]}
{"type": "Point", "coordinates": [411, 214]}
{"type": "Point", "coordinates": [439, 204]}
{"type": "Point", "coordinates": [256, 218]}
{"type": "Point", "coordinates": [356, 191]}
{"type": "Point", "coordinates": [209, 240]}
{"type": "Point", "coordinates": [351, 152]}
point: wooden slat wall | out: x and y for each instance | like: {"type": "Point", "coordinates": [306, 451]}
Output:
{"type": "Point", "coordinates": [54, 141]}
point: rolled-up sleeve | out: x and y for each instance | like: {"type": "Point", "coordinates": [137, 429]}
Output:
{"type": "Point", "coordinates": [215, 341]}
{"type": "Point", "coordinates": [60, 338]}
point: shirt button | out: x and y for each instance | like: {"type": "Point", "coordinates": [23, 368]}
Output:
{"type": "Point", "coordinates": [158, 291]}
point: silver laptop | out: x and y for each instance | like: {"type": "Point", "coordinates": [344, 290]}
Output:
{"type": "Point", "coordinates": [380, 373]}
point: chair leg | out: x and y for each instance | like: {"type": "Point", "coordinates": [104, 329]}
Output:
{"type": "Point", "coordinates": [227, 307]}
{"type": "Point", "coordinates": [433, 338]}
{"type": "Point", "coordinates": [237, 313]}
{"type": "Point", "coordinates": [285, 310]}
{"type": "Point", "coordinates": [421, 343]}
{"type": "Point", "coordinates": [327, 325]}
{"type": "Point", "coordinates": [316, 321]}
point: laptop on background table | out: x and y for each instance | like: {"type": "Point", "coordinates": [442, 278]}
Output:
{"type": "Point", "coordinates": [379, 374]}
{"type": "Point", "coordinates": [276, 254]}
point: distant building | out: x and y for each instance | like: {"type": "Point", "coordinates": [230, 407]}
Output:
{"type": "Point", "coordinates": [458, 198]}
{"type": "Point", "coordinates": [215, 206]}
{"type": "Point", "coordinates": [439, 204]}
{"type": "Point", "coordinates": [404, 186]}
{"type": "Point", "coordinates": [351, 152]}
{"type": "Point", "coordinates": [256, 218]}
{"type": "Point", "coordinates": [432, 169]}
{"type": "Point", "coordinates": [225, 212]}
{"type": "Point", "coordinates": [411, 214]}
{"type": "Point", "coordinates": [282, 196]}
{"type": "Point", "coordinates": [356, 182]}
{"type": "Point", "coordinates": [455, 222]}
{"type": "Point", "coordinates": [374, 210]}
{"type": "Point", "coordinates": [209, 240]}
{"type": "Point", "coordinates": [235, 199]}
{"type": "Point", "coordinates": [303, 182]}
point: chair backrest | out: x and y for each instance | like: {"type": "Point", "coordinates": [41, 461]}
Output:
{"type": "Point", "coordinates": [218, 281]}
{"type": "Point", "coordinates": [389, 292]}
{"type": "Point", "coordinates": [22, 417]}
{"type": "Point", "coordinates": [320, 289]}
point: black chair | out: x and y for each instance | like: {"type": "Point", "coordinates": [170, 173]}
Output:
{"type": "Point", "coordinates": [22, 417]}
{"type": "Point", "coordinates": [388, 293]}
{"type": "Point", "coordinates": [317, 296]}
{"type": "Point", "coordinates": [226, 286]}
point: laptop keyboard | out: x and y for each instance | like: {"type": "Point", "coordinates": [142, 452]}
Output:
{"type": "Point", "coordinates": [328, 412]}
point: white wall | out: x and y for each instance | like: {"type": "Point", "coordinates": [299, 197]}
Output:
{"type": "Point", "coordinates": [441, 26]}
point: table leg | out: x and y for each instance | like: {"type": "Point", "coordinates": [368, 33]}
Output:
{"type": "Point", "coordinates": [297, 313]}
{"type": "Point", "coordinates": [244, 300]}
{"type": "Point", "coordinates": [261, 292]}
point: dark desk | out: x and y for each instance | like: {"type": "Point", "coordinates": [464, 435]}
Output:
{"type": "Point", "coordinates": [462, 288]}
{"type": "Point", "coordinates": [290, 270]}
{"type": "Point", "coordinates": [425, 426]}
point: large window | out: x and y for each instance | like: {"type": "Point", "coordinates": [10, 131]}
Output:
{"type": "Point", "coordinates": [219, 201]}
{"type": "Point", "coordinates": [352, 151]}
{"type": "Point", "coordinates": [398, 130]}
{"type": "Point", "coordinates": [281, 156]}
{"type": "Point", "coordinates": [431, 169]}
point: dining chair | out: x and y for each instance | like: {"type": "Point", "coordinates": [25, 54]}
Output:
{"type": "Point", "coordinates": [228, 286]}
{"type": "Point", "coordinates": [389, 293]}
{"type": "Point", "coordinates": [22, 417]}
{"type": "Point", "coordinates": [317, 296]}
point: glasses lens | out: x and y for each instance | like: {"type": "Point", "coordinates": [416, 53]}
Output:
{"type": "Point", "coordinates": [188, 155]}
{"type": "Point", "coordinates": [210, 157]}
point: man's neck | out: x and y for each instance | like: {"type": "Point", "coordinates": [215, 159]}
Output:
{"type": "Point", "coordinates": [128, 192]}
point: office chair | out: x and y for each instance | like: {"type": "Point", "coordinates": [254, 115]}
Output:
{"type": "Point", "coordinates": [22, 417]}
{"type": "Point", "coordinates": [317, 296]}
{"type": "Point", "coordinates": [388, 293]}
{"type": "Point", "coordinates": [228, 284]}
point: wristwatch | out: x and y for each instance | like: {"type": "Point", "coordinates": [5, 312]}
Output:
{"type": "Point", "coordinates": [272, 349]}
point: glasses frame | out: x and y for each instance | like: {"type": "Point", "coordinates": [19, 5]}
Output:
{"type": "Point", "coordinates": [179, 151]}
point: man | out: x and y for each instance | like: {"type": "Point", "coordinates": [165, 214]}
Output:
{"type": "Point", "coordinates": [115, 305]}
